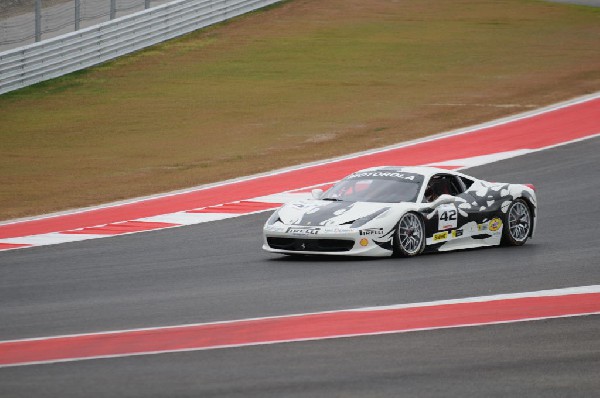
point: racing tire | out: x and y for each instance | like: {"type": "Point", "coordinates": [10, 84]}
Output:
{"type": "Point", "coordinates": [409, 238]}
{"type": "Point", "coordinates": [517, 224]}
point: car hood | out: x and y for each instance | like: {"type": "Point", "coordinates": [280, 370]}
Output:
{"type": "Point", "coordinates": [325, 213]}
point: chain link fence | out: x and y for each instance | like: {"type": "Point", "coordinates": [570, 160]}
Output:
{"type": "Point", "coordinates": [24, 22]}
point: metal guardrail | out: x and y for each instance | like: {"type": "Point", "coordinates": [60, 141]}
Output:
{"type": "Point", "coordinates": [78, 50]}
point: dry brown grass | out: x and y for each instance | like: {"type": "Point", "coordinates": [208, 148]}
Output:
{"type": "Point", "coordinates": [307, 80]}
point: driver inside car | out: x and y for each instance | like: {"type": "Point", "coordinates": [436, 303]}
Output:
{"type": "Point", "coordinates": [436, 188]}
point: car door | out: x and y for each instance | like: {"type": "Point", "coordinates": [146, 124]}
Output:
{"type": "Point", "coordinates": [444, 219]}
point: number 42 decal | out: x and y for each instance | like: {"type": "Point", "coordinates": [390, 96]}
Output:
{"type": "Point", "coordinates": [447, 217]}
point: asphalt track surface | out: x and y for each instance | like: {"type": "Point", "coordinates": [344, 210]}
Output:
{"type": "Point", "coordinates": [217, 271]}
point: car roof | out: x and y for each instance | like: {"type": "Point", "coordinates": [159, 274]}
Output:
{"type": "Point", "coordinates": [425, 171]}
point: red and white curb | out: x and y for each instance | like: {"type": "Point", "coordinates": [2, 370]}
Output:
{"type": "Point", "coordinates": [546, 128]}
{"type": "Point", "coordinates": [472, 311]}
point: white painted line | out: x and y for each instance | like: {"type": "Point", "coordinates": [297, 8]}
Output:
{"type": "Point", "coordinates": [481, 299]}
{"type": "Point", "coordinates": [51, 238]}
{"type": "Point", "coordinates": [481, 160]}
{"type": "Point", "coordinates": [589, 137]}
{"type": "Point", "coordinates": [185, 218]}
{"type": "Point", "coordinates": [284, 197]}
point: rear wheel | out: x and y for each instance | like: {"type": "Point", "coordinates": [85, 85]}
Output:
{"type": "Point", "coordinates": [409, 239]}
{"type": "Point", "coordinates": [517, 224]}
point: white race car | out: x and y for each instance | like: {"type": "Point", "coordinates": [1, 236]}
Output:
{"type": "Point", "coordinates": [403, 211]}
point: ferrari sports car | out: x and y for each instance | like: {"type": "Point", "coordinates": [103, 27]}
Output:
{"type": "Point", "coordinates": [403, 211]}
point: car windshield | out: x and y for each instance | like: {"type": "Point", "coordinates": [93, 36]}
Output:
{"type": "Point", "coordinates": [378, 186]}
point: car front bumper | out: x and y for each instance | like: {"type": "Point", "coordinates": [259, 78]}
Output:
{"type": "Point", "coordinates": [325, 241]}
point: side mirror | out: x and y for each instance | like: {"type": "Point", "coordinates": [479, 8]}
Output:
{"type": "Point", "coordinates": [442, 200]}
{"type": "Point", "coordinates": [317, 193]}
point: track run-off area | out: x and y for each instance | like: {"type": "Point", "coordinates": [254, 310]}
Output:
{"type": "Point", "coordinates": [199, 293]}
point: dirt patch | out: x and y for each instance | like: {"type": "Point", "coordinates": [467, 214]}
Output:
{"type": "Point", "coordinates": [303, 81]}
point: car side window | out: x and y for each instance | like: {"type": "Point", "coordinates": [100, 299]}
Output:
{"type": "Point", "coordinates": [442, 184]}
{"type": "Point", "coordinates": [467, 182]}
{"type": "Point", "coordinates": [457, 186]}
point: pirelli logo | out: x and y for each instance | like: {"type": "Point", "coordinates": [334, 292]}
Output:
{"type": "Point", "coordinates": [302, 231]}
{"type": "Point", "coordinates": [371, 231]}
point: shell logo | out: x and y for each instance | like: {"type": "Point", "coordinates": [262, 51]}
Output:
{"type": "Point", "coordinates": [495, 224]}
{"type": "Point", "coordinates": [364, 242]}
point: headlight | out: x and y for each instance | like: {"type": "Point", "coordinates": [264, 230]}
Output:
{"type": "Point", "coordinates": [274, 218]}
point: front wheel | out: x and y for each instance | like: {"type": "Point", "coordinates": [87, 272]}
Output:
{"type": "Point", "coordinates": [517, 224]}
{"type": "Point", "coordinates": [409, 239]}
